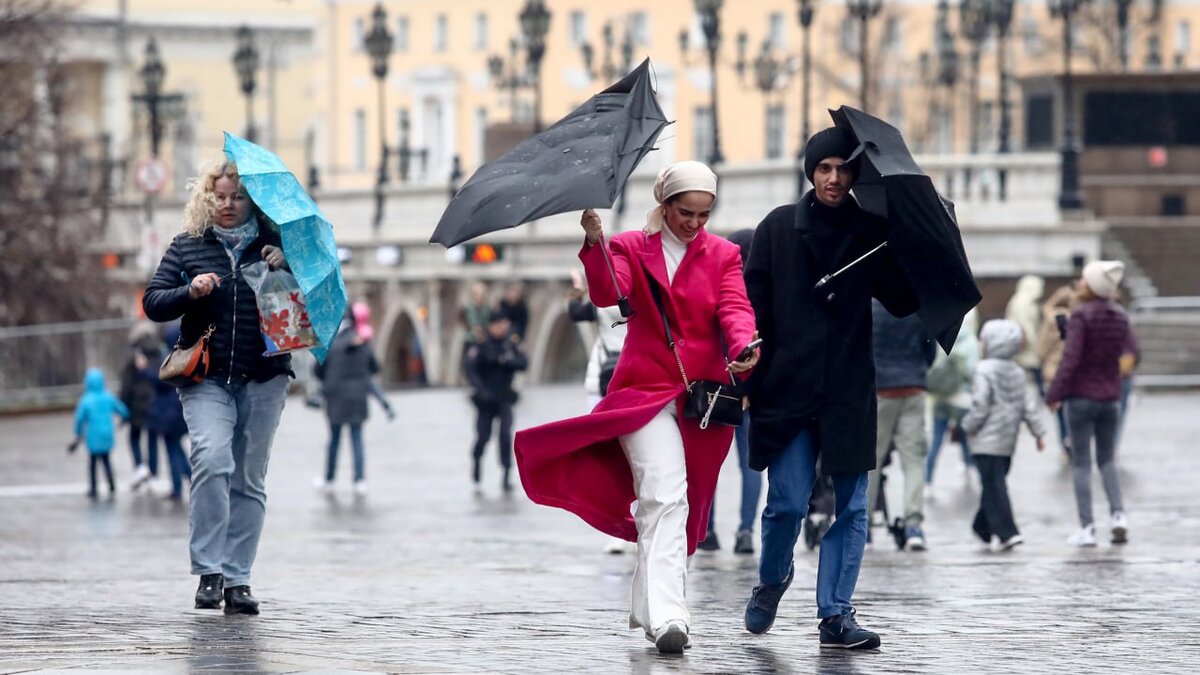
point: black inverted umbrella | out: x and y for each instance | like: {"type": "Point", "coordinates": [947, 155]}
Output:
{"type": "Point", "coordinates": [579, 163]}
{"type": "Point", "coordinates": [922, 231]}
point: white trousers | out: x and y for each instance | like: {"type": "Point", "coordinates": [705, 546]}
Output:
{"type": "Point", "coordinates": [655, 454]}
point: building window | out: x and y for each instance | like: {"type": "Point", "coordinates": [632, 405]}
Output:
{"type": "Point", "coordinates": [702, 147]}
{"type": "Point", "coordinates": [775, 131]}
{"type": "Point", "coordinates": [893, 34]}
{"type": "Point", "coordinates": [481, 32]}
{"type": "Point", "coordinates": [639, 29]}
{"type": "Point", "coordinates": [848, 35]}
{"type": "Point", "coordinates": [1183, 42]}
{"type": "Point", "coordinates": [578, 28]}
{"type": "Point", "coordinates": [775, 31]}
{"type": "Point", "coordinates": [1031, 35]}
{"type": "Point", "coordinates": [358, 37]}
{"type": "Point", "coordinates": [360, 139]}
{"type": "Point", "coordinates": [402, 34]}
{"type": "Point", "coordinates": [481, 123]}
{"type": "Point", "coordinates": [441, 29]}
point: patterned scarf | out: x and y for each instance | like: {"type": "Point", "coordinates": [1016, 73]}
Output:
{"type": "Point", "coordinates": [236, 239]}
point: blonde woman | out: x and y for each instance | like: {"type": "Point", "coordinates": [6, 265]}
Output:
{"type": "Point", "coordinates": [233, 413]}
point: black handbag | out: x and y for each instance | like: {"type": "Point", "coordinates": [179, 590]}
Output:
{"type": "Point", "coordinates": [709, 401]}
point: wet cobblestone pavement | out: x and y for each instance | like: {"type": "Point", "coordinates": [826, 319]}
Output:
{"type": "Point", "coordinates": [425, 576]}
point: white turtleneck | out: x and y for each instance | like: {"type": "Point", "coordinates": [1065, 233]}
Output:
{"type": "Point", "coordinates": [673, 252]}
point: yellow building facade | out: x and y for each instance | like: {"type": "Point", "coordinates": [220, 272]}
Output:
{"type": "Point", "coordinates": [317, 102]}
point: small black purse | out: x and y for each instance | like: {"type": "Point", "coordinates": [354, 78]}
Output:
{"type": "Point", "coordinates": [709, 401]}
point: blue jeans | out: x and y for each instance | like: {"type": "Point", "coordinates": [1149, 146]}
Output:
{"type": "Point", "coordinates": [356, 444]}
{"type": "Point", "coordinates": [751, 481]}
{"type": "Point", "coordinates": [232, 427]}
{"type": "Point", "coordinates": [941, 422]}
{"type": "Point", "coordinates": [790, 481]}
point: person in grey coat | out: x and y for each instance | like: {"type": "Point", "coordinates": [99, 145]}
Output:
{"type": "Point", "coordinates": [346, 383]}
{"type": "Point", "coordinates": [1000, 402]}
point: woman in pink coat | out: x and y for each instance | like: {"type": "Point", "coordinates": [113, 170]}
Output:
{"type": "Point", "coordinates": [636, 443]}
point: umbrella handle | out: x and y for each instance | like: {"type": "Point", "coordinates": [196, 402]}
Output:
{"type": "Point", "coordinates": [623, 303]}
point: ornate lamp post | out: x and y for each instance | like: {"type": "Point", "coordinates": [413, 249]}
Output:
{"type": "Point", "coordinates": [505, 75]}
{"type": "Point", "coordinates": [805, 15]}
{"type": "Point", "coordinates": [609, 71]}
{"type": "Point", "coordinates": [710, 22]}
{"type": "Point", "coordinates": [973, 20]}
{"type": "Point", "coordinates": [947, 60]}
{"type": "Point", "coordinates": [245, 63]}
{"type": "Point", "coordinates": [767, 68]}
{"type": "Point", "coordinates": [1001, 15]}
{"type": "Point", "coordinates": [535, 23]}
{"type": "Point", "coordinates": [379, 46]}
{"type": "Point", "coordinates": [864, 11]}
{"type": "Point", "coordinates": [153, 73]}
{"type": "Point", "coordinates": [1069, 197]}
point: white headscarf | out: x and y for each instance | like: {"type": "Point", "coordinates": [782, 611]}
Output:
{"type": "Point", "coordinates": [689, 176]}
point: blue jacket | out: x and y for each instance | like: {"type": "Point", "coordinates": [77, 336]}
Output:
{"type": "Point", "coordinates": [903, 350]}
{"type": "Point", "coordinates": [93, 415]}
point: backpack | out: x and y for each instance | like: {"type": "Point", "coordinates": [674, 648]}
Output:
{"type": "Point", "coordinates": [945, 377]}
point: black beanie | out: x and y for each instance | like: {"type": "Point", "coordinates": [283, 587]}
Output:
{"type": "Point", "coordinates": [831, 142]}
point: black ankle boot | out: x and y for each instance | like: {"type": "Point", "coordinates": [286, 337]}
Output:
{"type": "Point", "coordinates": [208, 594]}
{"type": "Point", "coordinates": [507, 482]}
{"type": "Point", "coordinates": [239, 601]}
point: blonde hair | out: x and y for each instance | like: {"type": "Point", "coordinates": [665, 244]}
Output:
{"type": "Point", "coordinates": [201, 209]}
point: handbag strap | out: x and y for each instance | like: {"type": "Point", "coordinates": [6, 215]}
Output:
{"type": "Point", "coordinates": [670, 340]}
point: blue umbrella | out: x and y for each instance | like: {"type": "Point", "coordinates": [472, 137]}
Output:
{"type": "Point", "coordinates": [306, 233]}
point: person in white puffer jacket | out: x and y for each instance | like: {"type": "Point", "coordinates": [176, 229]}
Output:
{"type": "Point", "coordinates": [1000, 402]}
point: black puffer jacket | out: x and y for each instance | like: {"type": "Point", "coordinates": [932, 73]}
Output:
{"type": "Point", "coordinates": [237, 346]}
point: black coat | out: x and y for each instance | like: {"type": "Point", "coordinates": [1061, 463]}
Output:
{"type": "Point", "coordinates": [817, 369]}
{"type": "Point", "coordinates": [237, 346]}
{"type": "Point", "coordinates": [491, 365]}
{"type": "Point", "coordinates": [346, 378]}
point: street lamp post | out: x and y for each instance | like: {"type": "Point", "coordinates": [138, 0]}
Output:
{"type": "Point", "coordinates": [710, 23]}
{"type": "Point", "coordinates": [973, 19]}
{"type": "Point", "coordinates": [1123, 32]}
{"type": "Point", "coordinates": [947, 60]}
{"type": "Point", "coordinates": [1069, 197]}
{"type": "Point", "coordinates": [379, 47]}
{"type": "Point", "coordinates": [864, 11]}
{"type": "Point", "coordinates": [1001, 18]}
{"type": "Point", "coordinates": [767, 68]}
{"type": "Point", "coordinates": [609, 70]}
{"type": "Point", "coordinates": [153, 73]}
{"type": "Point", "coordinates": [245, 63]}
{"type": "Point", "coordinates": [805, 15]}
{"type": "Point", "coordinates": [535, 23]}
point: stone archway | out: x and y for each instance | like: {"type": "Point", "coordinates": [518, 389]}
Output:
{"type": "Point", "coordinates": [560, 355]}
{"type": "Point", "coordinates": [403, 357]}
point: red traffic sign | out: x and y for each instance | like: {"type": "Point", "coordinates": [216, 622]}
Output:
{"type": "Point", "coordinates": [150, 175]}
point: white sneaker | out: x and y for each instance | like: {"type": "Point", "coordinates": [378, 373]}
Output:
{"type": "Point", "coordinates": [323, 486]}
{"type": "Point", "coordinates": [1120, 528]}
{"type": "Point", "coordinates": [1084, 537]}
{"type": "Point", "coordinates": [877, 519]}
{"type": "Point", "coordinates": [672, 638]}
{"type": "Point", "coordinates": [1012, 542]}
{"type": "Point", "coordinates": [141, 474]}
{"type": "Point", "coordinates": [360, 488]}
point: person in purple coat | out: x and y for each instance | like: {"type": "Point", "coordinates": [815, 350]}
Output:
{"type": "Point", "coordinates": [1088, 386]}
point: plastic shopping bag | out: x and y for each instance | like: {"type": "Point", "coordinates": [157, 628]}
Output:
{"type": "Point", "coordinates": [282, 317]}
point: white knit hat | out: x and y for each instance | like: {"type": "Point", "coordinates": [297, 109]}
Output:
{"type": "Point", "coordinates": [1103, 277]}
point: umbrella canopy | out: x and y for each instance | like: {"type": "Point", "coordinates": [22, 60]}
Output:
{"type": "Point", "coordinates": [922, 232]}
{"type": "Point", "coordinates": [307, 235]}
{"type": "Point", "coordinates": [579, 163]}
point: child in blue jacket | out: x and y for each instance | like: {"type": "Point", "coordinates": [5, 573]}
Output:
{"type": "Point", "coordinates": [94, 425]}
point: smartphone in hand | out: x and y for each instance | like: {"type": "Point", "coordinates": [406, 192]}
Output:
{"type": "Point", "coordinates": [749, 350]}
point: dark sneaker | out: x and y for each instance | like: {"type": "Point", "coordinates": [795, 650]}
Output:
{"type": "Point", "coordinates": [744, 544]}
{"type": "Point", "coordinates": [764, 602]}
{"type": "Point", "coordinates": [710, 543]}
{"type": "Point", "coordinates": [475, 471]}
{"type": "Point", "coordinates": [208, 594]}
{"type": "Point", "coordinates": [843, 632]}
{"type": "Point", "coordinates": [239, 601]}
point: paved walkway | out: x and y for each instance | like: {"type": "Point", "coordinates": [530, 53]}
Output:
{"type": "Point", "coordinates": [424, 576]}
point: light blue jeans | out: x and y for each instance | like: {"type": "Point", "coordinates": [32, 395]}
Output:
{"type": "Point", "coordinates": [790, 481]}
{"type": "Point", "coordinates": [231, 427]}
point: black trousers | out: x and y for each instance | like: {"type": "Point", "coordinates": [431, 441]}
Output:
{"type": "Point", "coordinates": [995, 516]}
{"type": "Point", "coordinates": [486, 414]}
{"type": "Point", "coordinates": [102, 460]}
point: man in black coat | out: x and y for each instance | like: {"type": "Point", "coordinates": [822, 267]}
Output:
{"type": "Point", "coordinates": [812, 395]}
{"type": "Point", "coordinates": [491, 366]}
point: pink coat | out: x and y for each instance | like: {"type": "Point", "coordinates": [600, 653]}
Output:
{"type": "Point", "coordinates": [578, 464]}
